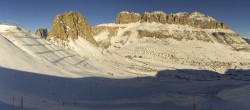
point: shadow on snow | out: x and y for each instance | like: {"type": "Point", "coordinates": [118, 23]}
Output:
{"type": "Point", "coordinates": [84, 91]}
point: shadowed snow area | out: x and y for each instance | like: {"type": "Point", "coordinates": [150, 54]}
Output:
{"type": "Point", "coordinates": [177, 89]}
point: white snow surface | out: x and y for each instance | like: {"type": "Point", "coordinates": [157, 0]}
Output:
{"type": "Point", "coordinates": [48, 77]}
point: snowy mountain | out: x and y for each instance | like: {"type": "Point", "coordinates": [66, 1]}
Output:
{"type": "Point", "coordinates": [152, 61]}
{"type": "Point", "coordinates": [201, 45]}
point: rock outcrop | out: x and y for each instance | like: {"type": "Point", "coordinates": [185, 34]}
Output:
{"type": "Point", "coordinates": [126, 17]}
{"type": "Point", "coordinates": [42, 33]}
{"type": "Point", "coordinates": [105, 39]}
{"type": "Point", "coordinates": [71, 25]}
{"type": "Point", "coordinates": [112, 31]}
{"type": "Point", "coordinates": [195, 19]}
{"type": "Point", "coordinates": [158, 17]}
{"type": "Point", "coordinates": [231, 39]}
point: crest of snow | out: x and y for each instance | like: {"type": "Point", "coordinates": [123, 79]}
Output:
{"type": "Point", "coordinates": [4, 28]}
{"type": "Point", "coordinates": [108, 24]}
{"type": "Point", "coordinates": [125, 12]}
{"type": "Point", "coordinates": [202, 17]}
{"type": "Point", "coordinates": [71, 11]}
{"type": "Point", "coordinates": [181, 14]}
{"type": "Point", "coordinates": [158, 12]}
{"type": "Point", "coordinates": [137, 14]}
{"type": "Point", "coordinates": [146, 13]}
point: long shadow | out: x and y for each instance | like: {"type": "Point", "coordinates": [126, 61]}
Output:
{"type": "Point", "coordinates": [84, 92]}
{"type": "Point", "coordinates": [22, 37]}
{"type": "Point", "coordinates": [81, 62]}
{"type": "Point", "coordinates": [62, 58]}
{"type": "Point", "coordinates": [50, 51]}
{"type": "Point", "coordinates": [36, 44]}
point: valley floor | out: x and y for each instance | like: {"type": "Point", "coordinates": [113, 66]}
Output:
{"type": "Point", "coordinates": [178, 89]}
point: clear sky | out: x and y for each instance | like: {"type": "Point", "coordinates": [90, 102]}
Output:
{"type": "Point", "coordinates": [32, 14]}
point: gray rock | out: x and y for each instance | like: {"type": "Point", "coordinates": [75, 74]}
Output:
{"type": "Point", "coordinates": [42, 33]}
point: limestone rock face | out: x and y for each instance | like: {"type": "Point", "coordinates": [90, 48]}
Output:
{"type": "Point", "coordinates": [196, 19]}
{"type": "Point", "coordinates": [104, 41]}
{"type": "Point", "coordinates": [42, 33]}
{"type": "Point", "coordinates": [231, 39]}
{"type": "Point", "coordinates": [200, 20]}
{"type": "Point", "coordinates": [126, 17]}
{"type": "Point", "coordinates": [71, 25]}
{"type": "Point", "coordinates": [157, 16]}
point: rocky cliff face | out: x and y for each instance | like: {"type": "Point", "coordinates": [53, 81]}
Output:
{"type": "Point", "coordinates": [195, 19]}
{"type": "Point", "coordinates": [42, 33]}
{"type": "Point", "coordinates": [223, 37]}
{"type": "Point", "coordinates": [130, 27]}
{"type": "Point", "coordinates": [126, 17]}
{"type": "Point", "coordinates": [70, 25]}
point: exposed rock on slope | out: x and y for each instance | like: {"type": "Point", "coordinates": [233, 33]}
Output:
{"type": "Point", "coordinates": [195, 19]}
{"type": "Point", "coordinates": [104, 40]}
{"type": "Point", "coordinates": [71, 25]}
{"type": "Point", "coordinates": [42, 33]}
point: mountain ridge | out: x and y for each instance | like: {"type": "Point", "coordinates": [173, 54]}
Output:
{"type": "Point", "coordinates": [148, 40]}
{"type": "Point", "coordinates": [195, 19]}
{"type": "Point", "coordinates": [180, 26]}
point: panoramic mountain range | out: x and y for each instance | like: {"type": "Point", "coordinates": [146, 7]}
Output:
{"type": "Point", "coordinates": [149, 61]}
{"type": "Point", "coordinates": [154, 36]}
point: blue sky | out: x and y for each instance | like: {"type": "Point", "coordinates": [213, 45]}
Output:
{"type": "Point", "coordinates": [32, 14]}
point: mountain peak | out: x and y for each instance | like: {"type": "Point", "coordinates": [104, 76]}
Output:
{"type": "Point", "coordinates": [70, 25]}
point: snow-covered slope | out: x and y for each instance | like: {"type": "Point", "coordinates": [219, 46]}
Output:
{"type": "Point", "coordinates": [24, 51]}
{"type": "Point", "coordinates": [179, 45]}
{"type": "Point", "coordinates": [144, 74]}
